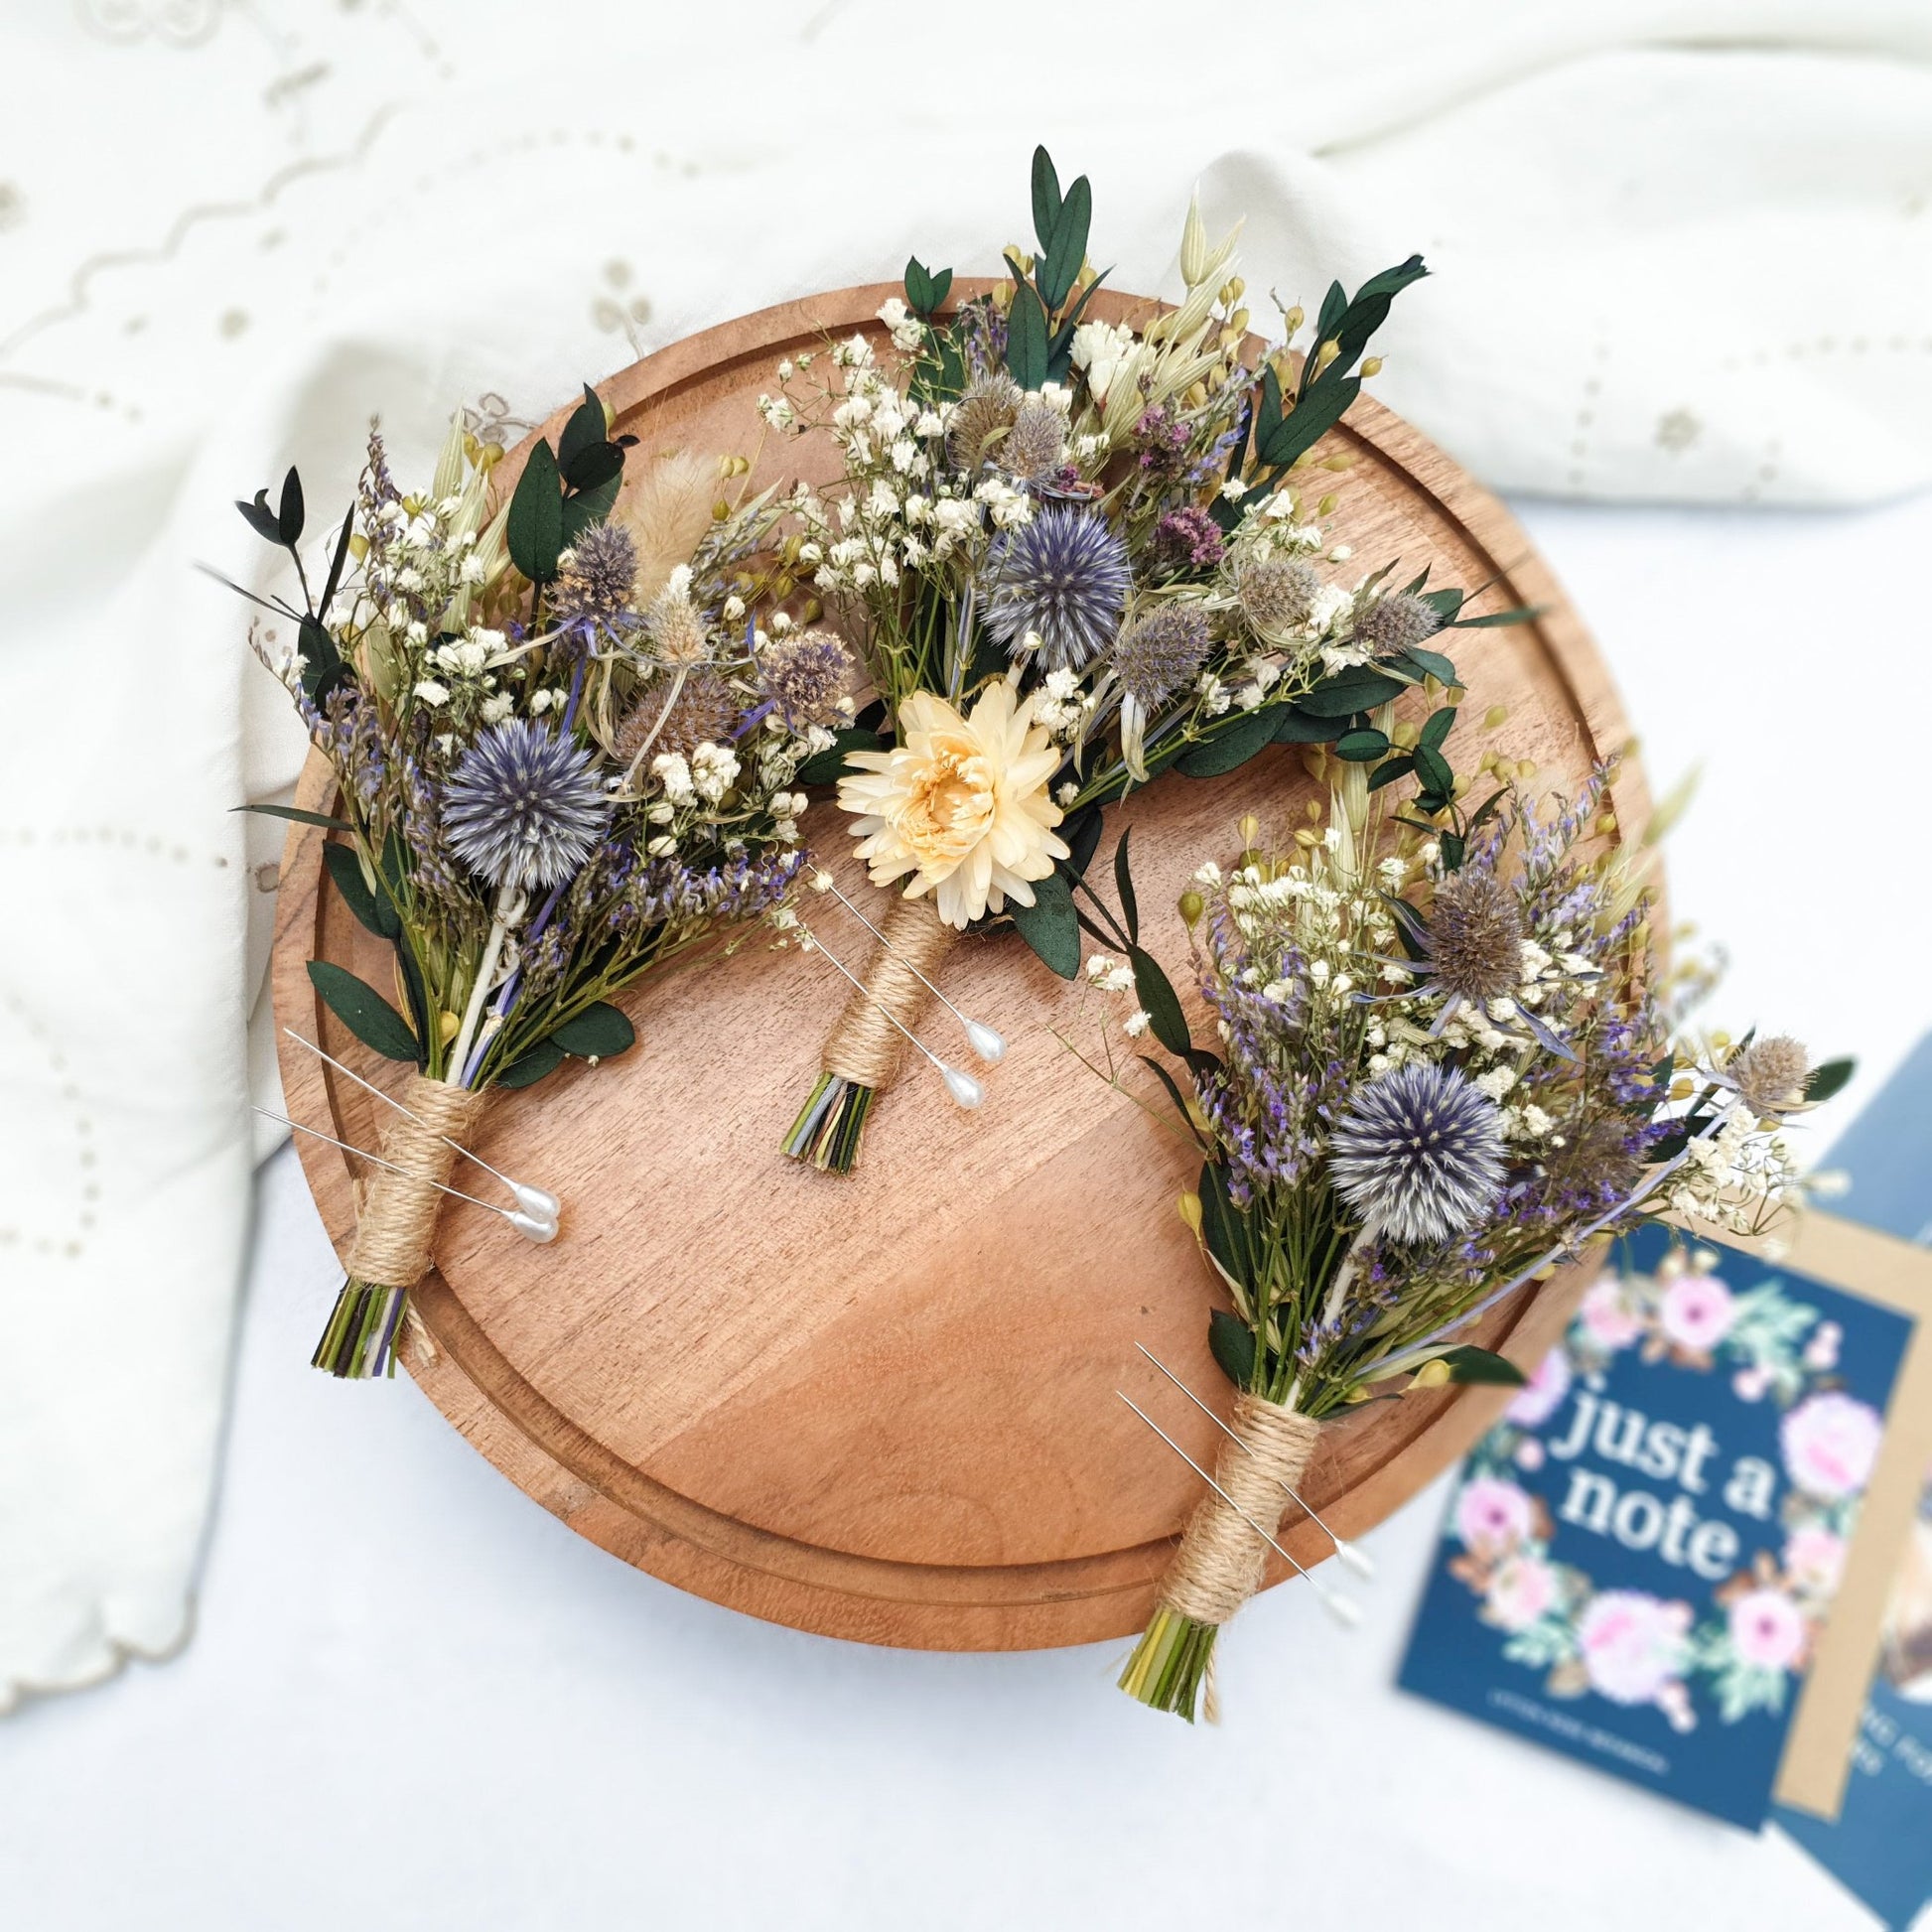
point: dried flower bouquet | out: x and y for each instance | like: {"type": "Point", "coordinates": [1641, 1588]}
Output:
{"type": "Point", "coordinates": [1443, 1065]}
{"type": "Point", "coordinates": [1083, 555]}
{"type": "Point", "coordinates": [565, 758]}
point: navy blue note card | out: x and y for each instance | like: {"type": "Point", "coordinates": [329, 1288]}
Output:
{"type": "Point", "coordinates": [1880, 1845]}
{"type": "Point", "coordinates": [1640, 1557]}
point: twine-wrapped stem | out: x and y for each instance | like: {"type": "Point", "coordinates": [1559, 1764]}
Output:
{"type": "Point", "coordinates": [864, 1050]}
{"type": "Point", "coordinates": [396, 1227]}
{"type": "Point", "coordinates": [1221, 1559]}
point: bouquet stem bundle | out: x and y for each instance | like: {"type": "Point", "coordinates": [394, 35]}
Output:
{"type": "Point", "coordinates": [396, 1227]}
{"type": "Point", "coordinates": [1442, 1066]}
{"type": "Point", "coordinates": [864, 1051]}
{"type": "Point", "coordinates": [565, 751]}
{"type": "Point", "coordinates": [1083, 553]}
{"type": "Point", "coordinates": [1222, 1556]}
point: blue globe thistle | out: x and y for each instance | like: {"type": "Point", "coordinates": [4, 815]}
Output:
{"type": "Point", "coordinates": [1063, 576]}
{"type": "Point", "coordinates": [1419, 1154]}
{"type": "Point", "coordinates": [1159, 649]}
{"type": "Point", "coordinates": [1474, 943]}
{"type": "Point", "coordinates": [523, 806]}
{"type": "Point", "coordinates": [591, 598]}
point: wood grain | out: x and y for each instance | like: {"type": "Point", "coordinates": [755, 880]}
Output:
{"type": "Point", "coordinates": [882, 1407]}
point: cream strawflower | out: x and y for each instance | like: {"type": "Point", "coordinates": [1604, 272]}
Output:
{"type": "Point", "coordinates": [960, 803]}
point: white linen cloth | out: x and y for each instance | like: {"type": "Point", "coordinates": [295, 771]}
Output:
{"type": "Point", "coordinates": [1681, 252]}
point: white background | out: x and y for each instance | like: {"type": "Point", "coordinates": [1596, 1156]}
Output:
{"type": "Point", "coordinates": [415, 1700]}
{"type": "Point", "coordinates": [1681, 250]}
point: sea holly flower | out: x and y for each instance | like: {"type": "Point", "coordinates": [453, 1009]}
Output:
{"type": "Point", "coordinates": [524, 806]}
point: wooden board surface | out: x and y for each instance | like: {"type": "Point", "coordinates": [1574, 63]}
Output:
{"type": "Point", "coordinates": [882, 1407]}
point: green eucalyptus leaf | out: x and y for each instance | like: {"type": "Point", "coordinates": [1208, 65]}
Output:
{"type": "Point", "coordinates": [590, 506]}
{"type": "Point", "coordinates": [289, 518]}
{"type": "Point", "coordinates": [1130, 910]}
{"type": "Point", "coordinates": [1437, 727]}
{"type": "Point", "coordinates": [1049, 925]}
{"type": "Point", "coordinates": [584, 431]}
{"type": "Point", "coordinates": [1828, 1079]}
{"type": "Point", "coordinates": [593, 466]}
{"type": "Point", "coordinates": [1232, 1344]}
{"type": "Point", "coordinates": [1233, 743]}
{"type": "Point", "coordinates": [1156, 993]}
{"type": "Point", "coordinates": [1428, 663]}
{"type": "Point", "coordinates": [1358, 687]}
{"type": "Point", "coordinates": [1026, 339]}
{"type": "Point", "coordinates": [823, 767]}
{"type": "Point", "coordinates": [1319, 410]}
{"type": "Point", "coordinates": [1432, 772]}
{"type": "Point", "coordinates": [1081, 832]}
{"type": "Point", "coordinates": [1047, 197]}
{"type": "Point", "coordinates": [1478, 1365]}
{"type": "Point", "coordinates": [345, 868]}
{"type": "Point", "coordinates": [1295, 726]}
{"type": "Point", "coordinates": [298, 815]}
{"type": "Point", "coordinates": [365, 1012]}
{"type": "Point", "coordinates": [1217, 1222]}
{"type": "Point", "coordinates": [261, 518]}
{"type": "Point", "coordinates": [1387, 775]}
{"type": "Point", "coordinates": [534, 1064]}
{"type": "Point", "coordinates": [1519, 614]}
{"type": "Point", "coordinates": [535, 525]}
{"type": "Point", "coordinates": [598, 1032]}
{"type": "Point", "coordinates": [1068, 248]}
{"type": "Point", "coordinates": [1361, 746]}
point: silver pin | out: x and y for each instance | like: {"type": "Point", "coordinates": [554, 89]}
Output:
{"type": "Point", "coordinates": [1348, 1555]}
{"type": "Point", "coordinates": [537, 1202]}
{"type": "Point", "coordinates": [1345, 1613]}
{"type": "Point", "coordinates": [962, 1086]}
{"type": "Point", "coordinates": [532, 1229]}
{"type": "Point", "coordinates": [991, 1047]}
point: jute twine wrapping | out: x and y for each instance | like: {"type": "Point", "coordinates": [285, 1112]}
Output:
{"type": "Point", "coordinates": [397, 1224]}
{"type": "Point", "coordinates": [865, 1047]}
{"type": "Point", "coordinates": [1219, 1564]}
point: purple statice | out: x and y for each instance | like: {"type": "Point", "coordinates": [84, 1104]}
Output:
{"type": "Point", "coordinates": [1164, 440]}
{"type": "Point", "coordinates": [591, 600]}
{"type": "Point", "coordinates": [668, 892]}
{"type": "Point", "coordinates": [1265, 1100]}
{"type": "Point", "coordinates": [981, 331]}
{"type": "Point", "coordinates": [1187, 539]}
{"type": "Point", "coordinates": [523, 808]}
{"type": "Point", "coordinates": [1063, 576]}
{"type": "Point", "coordinates": [423, 836]}
{"type": "Point", "coordinates": [1419, 1154]}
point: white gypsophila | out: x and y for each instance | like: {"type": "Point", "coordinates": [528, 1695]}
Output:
{"type": "Point", "coordinates": [713, 768]}
{"type": "Point", "coordinates": [673, 772]}
{"type": "Point", "coordinates": [432, 693]}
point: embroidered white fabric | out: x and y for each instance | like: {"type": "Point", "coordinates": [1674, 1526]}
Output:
{"type": "Point", "coordinates": [1680, 251]}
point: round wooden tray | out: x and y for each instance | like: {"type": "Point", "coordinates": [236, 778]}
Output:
{"type": "Point", "coordinates": [882, 1407]}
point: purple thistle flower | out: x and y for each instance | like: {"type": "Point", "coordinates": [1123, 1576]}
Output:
{"type": "Point", "coordinates": [1159, 649]}
{"type": "Point", "coordinates": [1062, 577]}
{"type": "Point", "coordinates": [1419, 1154]}
{"type": "Point", "coordinates": [524, 806]}
{"type": "Point", "coordinates": [591, 600]}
